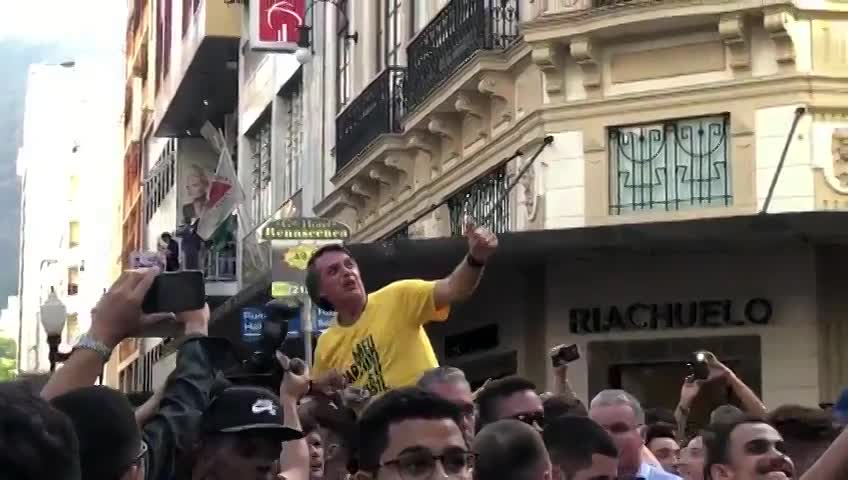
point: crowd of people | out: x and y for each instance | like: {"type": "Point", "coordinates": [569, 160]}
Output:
{"type": "Point", "coordinates": [376, 405]}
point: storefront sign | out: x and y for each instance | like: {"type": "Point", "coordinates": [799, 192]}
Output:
{"type": "Point", "coordinates": [305, 229]}
{"type": "Point", "coordinates": [670, 316]}
{"type": "Point", "coordinates": [274, 24]}
{"type": "Point", "coordinates": [251, 324]}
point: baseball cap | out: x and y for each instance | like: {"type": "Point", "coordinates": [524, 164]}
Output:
{"type": "Point", "coordinates": [247, 409]}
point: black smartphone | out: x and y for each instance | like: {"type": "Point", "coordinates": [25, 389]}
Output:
{"type": "Point", "coordinates": [175, 292]}
{"type": "Point", "coordinates": [564, 354]}
{"type": "Point", "coordinates": [699, 368]}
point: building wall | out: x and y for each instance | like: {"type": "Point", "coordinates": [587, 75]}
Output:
{"type": "Point", "coordinates": [787, 278]}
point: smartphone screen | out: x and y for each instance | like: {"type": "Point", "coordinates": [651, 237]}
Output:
{"type": "Point", "coordinates": [176, 292]}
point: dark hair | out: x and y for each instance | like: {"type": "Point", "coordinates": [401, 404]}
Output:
{"type": "Point", "coordinates": [509, 450]}
{"type": "Point", "coordinates": [109, 437]}
{"type": "Point", "coordinates": [560, 405]}
{"type": "Point", "coordinates": [36, 440]}
{"type": "Point", "coordinates": [659, 430]}
{"type": "Point", "coordinates": [488, 399]}
{"type": "Point", "coordinates": [393, 407]}
{"type": "Point", "coordinates": [717, 441]}
{"type": "Point", "coordinates": [807, 433]}
{"type": "Point", "coordinates": [313, 275]}
{"type": "Point", "coordinates": [572, 441]}
{"type": "Point", "coordinates": [659, 415]}
{"type": "Point", "coordinates": [166, 235]}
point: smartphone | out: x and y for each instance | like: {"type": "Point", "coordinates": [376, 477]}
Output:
{"type": "Point", "coordinates": [699, 368]}
{"type": "Point", "coordinates": [564, 354]}
{"type": "Point", "coordinates": [176, 292]}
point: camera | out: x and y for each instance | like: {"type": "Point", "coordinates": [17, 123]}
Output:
{"type": "Point", "coordinates": [270, 335]}
{"type": "Point", "coordinates": [698, 369]}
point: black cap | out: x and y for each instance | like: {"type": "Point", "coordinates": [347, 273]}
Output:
{"type": "Point", "coordinates": [244, 409]}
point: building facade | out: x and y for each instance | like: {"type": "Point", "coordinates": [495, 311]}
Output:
{"type": "Point", "coordinates": [638, 233]}
{"type": "Point", "coordinates": [65, 224]}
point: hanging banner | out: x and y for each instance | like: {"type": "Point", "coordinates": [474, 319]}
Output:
{"type": "Point", "coordinates": [274, 24]}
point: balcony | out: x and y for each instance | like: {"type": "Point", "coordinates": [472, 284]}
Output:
{"type": "Point", "coordinates": [485, 201]}
{"type": "Point", "coordinates": [458, 31]}
{"type": "Point", "coordinates": [219, 266]}
{"type": "Point", "coordinates": [673, 165]}
{"type": "Point", "coordinates": [376, 111]}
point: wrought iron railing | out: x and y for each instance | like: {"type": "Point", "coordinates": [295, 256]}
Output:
{"type": "Point", "coordinates": [673, 165]}
{"type": "Point", "coordinates": [459, 30]}
{"type": "Point", "coordinates": [480, 201]}
{"type": "Point", "coordinates": [219, 266]}
{"type": "Point", "coordinates": [376, 111]}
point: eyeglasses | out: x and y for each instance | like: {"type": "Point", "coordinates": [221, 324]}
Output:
{"type": "Point", "coordinates": [420, 465]}
{"type": "Point", "coordinates": [532, 419]}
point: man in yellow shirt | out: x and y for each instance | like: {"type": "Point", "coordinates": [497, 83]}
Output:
{"type": "Point", "coordinates": [378, 341]}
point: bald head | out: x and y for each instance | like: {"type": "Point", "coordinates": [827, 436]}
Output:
{"type": "Point", "coordinates": [510, 450]}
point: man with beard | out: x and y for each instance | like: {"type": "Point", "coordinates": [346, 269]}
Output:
{"type": "Point", "coordinates": [378, 340]}
{"type": "Point", "coordinates": [621, 415]}
{"type": "Point", "coordinates": [747, 449]}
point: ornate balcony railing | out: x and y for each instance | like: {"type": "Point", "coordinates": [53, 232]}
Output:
{"type": "Point", "coordinates": [673, 165]}
{"type": "Point", "coordinates": [480, 201]}
{"type": "Point", "coordinates": [219, 266]}
{"type": "Point", "coordinates": [459, 30]}
{"type": "Point", "coordinates": [376, 111]}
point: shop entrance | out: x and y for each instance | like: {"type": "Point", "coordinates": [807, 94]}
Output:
{"type": "Point", "coordinates": [654, 370]}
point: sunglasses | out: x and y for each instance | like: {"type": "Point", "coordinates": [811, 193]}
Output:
{"type": "Point", "coordinates": [420, 465]}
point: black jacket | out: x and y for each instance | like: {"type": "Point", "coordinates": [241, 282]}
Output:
{"type": "Point", "coordinates": [185, 398]}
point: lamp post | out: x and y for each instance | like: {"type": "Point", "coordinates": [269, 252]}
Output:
{"type": "Point", "coordinates": [53, 317]}
{"type": "Point", "coordinates": [304, 52]}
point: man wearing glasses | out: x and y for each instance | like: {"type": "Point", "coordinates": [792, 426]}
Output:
{"type": "Point", "coordinates": [411, 434]}
{"type": "Point", "coordinates": [514, 398]}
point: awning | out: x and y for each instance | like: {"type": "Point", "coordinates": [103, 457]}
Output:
{"type": "Point", "coordinates": [384, 262]}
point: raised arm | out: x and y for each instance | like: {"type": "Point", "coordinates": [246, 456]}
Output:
{"type": "Point", "coordinates": [462, 282]}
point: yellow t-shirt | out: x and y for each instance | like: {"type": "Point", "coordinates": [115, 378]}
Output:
{"type": "Point", "coordinates": [387, 347]}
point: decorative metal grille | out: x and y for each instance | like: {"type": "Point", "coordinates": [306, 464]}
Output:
{"type": "Point", "coordinates": [479, 201]}
{"type": "Point", "coordinates": [400, 234]}
{"type": "Point", "coordinates": [376, 111]}
{"type": "Point", "coordinates": [160, 180]}
{"type": "Point", "coordinates": [260, 142]}
{"type": "Point", "coordinates": [673, 165]}
{"type": "Point", "coordinates": [292, 143]}
{"type": "Point", "coordinates": [459, 30]}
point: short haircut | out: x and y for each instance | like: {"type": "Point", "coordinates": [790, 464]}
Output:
{"type": "Point", "coordinates": [659, 430]}
{"type": "Point", "coordinates": [487, 400]}
{"type": "Point", "coordinates": [560, 405]}
{"type": "Point", "coordinates": [608, 398]}
{"type": "Point", "coordinates": [109, 437]}
{"type": "Point", "coordinates": [509, 450]}
{"type": "Point", "coordinates": [807, 432]}
{"type": "Point", "coordinates": [165, 235]}
{"type": "Point", "coordinates": [726, 414]}
{"type": "Point", "coordinates": [36, 440]}
{"type": "Point", "coordinates": [659, 415]}
{"type": "Point", "coordinates": [717, 441]}
{"type": "Point", "coordinates": [571, 442]}
{"type": "Point", "coordinates": [393, 407]}
{"type": "Point", "coordinates": [313, 275]}
{"type": "Point", "coordinates": [443, 374]}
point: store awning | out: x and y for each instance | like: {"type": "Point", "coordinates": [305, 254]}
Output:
{"type": "Point", "coordinates": [384, 262]}
{"type": "Point", "coordinates": [713, 235]}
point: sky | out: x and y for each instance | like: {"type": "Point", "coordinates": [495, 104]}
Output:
{"type": "Point", "coordinates": [60, 20]}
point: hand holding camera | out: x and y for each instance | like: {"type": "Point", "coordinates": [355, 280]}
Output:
{"type": "Point", "coordinates": [295, 384]}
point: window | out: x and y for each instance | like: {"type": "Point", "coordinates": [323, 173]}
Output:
{"type": "Point", "coordinates": [670, 165]}
{"type": "Point", "coordinates": [485, 202]}
{"type": "Point", "coordinates": [391, 34]}
{"type": "Point", "coordinates": [292, 129]}
{"type": "Point", "coordinates": [160, 180]}
{"type": "Point", "coordinates": [73, 281]}
{"type": "Point", "coordinates": [260, 144]}
{"type": "Point", "coordinates": [344, 54]}
{"type": "Point", "coordinates": [74, 186]}
{"type": "Point", "coordinates": [72, 328]}
{"type": "Point", "coordinates": [187, 13]}
{"type": "Point", "coordinates": [73, 234]}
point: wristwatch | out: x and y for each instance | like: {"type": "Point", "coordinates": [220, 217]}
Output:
{"type": "Point", "coordinates": [88, 342]}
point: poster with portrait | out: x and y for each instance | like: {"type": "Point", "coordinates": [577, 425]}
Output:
{"type": "Point", "coordinates": [195, 172]}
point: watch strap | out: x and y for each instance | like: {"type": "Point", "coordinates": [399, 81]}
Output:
{"type": "Point", "coordinates": [88, 342]}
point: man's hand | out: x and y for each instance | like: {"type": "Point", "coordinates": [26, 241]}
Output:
{"type": "Point", "coordinates": [689, 391]}
{"type": "Point", "coordinates": [718, 370]}
{"type": "Point", "coordinates": [329, 383]}
{"type": "Point", "coordinates": [196, 322]}
{"type": "Point", "coordinates": [295, 382]}
{"type": "Point", "coordinates": [118, 313]}
{"type": "Point", "coordinates": [481, 242]}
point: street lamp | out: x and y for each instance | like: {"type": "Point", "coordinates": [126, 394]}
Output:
{"type": "Point", "coordinates": [303, 54]}
{"type": "Point", "coordinates": [53, 317]}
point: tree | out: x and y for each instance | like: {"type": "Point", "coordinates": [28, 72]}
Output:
{"type": "Point", "coordinates": [8, 362]}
